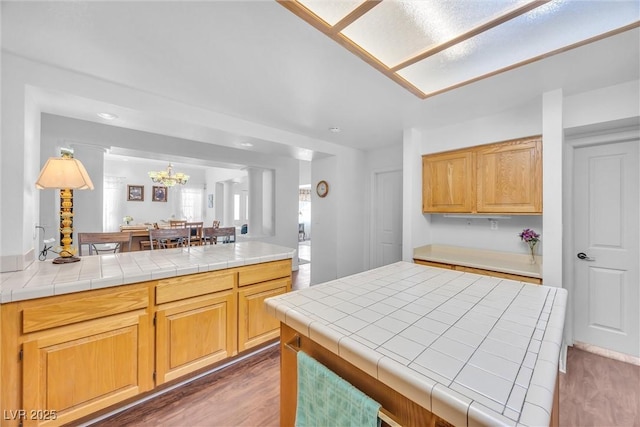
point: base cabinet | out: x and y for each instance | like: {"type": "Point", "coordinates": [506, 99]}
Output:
{"type": "Point", "coordinates": [66, 357]}
{"type": "Point", "coordinates": [194, 333]}
{"type": "Point", "coordinates": [491, 273]}
{"type": "Point", "coordinates": [255, 325]}
{"type": "Point", "coordinates": [69, 373]}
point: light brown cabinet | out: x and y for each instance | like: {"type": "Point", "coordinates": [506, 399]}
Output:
{"type": "Point", "coordinates": [448, 182]}
{"type": "Point", "coordinates": [65, 357]}
{"type": "Point", "coordinates": [504, 177]}
{"type": "Point", "coordinates": [195, 323]}
{"type": "Point", "coordinates": [80, 353]}
{"type": "Point", "coordinates": [255, 325]}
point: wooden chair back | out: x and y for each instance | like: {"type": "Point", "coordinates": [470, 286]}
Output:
{"type": "Point", "coordinates": [226, 234]}
{"type": "Point", "coordinates": [164, 238]}
{"type": "Point", "coordinates": [121, 239]}
{"type": "Point", "coordinates": [177, 223]}
{"type": "Point", "coordinates": [196, 232]}
{"type": "Point", "coordinates": [216, 223]}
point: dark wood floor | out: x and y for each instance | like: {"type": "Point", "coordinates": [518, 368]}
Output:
{"type": "Point", "coordinates": [595, 391]}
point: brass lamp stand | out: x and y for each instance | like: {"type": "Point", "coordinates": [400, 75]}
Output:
{"type": "Point", "coordinates": [66, 174]}
{"type": "Point", "coordinates": [67, 252]}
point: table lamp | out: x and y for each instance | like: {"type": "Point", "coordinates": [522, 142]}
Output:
{"type": "Point", "coordinates": [65, 173]}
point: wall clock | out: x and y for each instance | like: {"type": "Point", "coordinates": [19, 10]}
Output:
{"type": "Point", "coordinates": [322, 188]}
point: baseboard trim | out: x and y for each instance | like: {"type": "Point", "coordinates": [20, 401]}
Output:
{"type": "Point", "coordinates": [610, 354]}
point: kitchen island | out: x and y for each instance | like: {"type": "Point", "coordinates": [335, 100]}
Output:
{"type": "Point", "coordinates": [79, 338]}
{"type": "Point", "coordinates": [432, 346]}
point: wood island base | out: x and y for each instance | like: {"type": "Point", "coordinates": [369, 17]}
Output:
{"type": "Point", "coordinates": [402, 410]}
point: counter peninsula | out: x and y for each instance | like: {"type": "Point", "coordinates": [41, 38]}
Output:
{"type": "Point", "coordinates": [83, 337]}
{"type": "Point", "coordinates": [433, 346]}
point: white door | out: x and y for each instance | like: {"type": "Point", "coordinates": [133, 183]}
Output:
{"type": "Point", "coordinates": [606, 234]}
{"type": "Point", "coordinates": [387, 218]}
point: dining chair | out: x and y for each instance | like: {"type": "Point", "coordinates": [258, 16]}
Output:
{"type": "Point", "coordinates": [177, 223]}
{"type": "Point", "coordinates": [109, 242]}
{"type": "Point", "coordinates": [197, 239]}
{"type": "Point", "coordinates": [224, 234]}
{"type": "Point", "coordinates": [164, 238]}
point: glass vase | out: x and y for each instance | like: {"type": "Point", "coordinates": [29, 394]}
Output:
{"type": "Point", "coordinates": [532, 254]}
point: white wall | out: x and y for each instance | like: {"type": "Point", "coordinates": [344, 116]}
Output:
{"type": "Point", "coordinates": [214, 179]}
{"type": "Point", "coordinates": [134, 172]}
{"type": "Point", "coordinates": [24, 84]}
{"type": "Point", "coordinates": [324, 219]}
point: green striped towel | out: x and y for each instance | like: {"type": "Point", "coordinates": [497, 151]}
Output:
{"type": "Point", "coordinates": [326, 400]}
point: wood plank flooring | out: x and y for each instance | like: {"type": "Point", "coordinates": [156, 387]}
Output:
{"type": "Point", "coordinates": [244, 394]}
{"type": "Point", "coordinates": [599, 392]}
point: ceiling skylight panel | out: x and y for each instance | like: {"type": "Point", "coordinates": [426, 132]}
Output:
{"type": "Point", "coordinates": [554, 26]}
{"type": "Point", "coordinates": [396, 30]}
{"type": "Point", "coordinates": [331, 11]}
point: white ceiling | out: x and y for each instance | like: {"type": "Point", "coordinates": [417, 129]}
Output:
{"type": "Point", "coordinates": [257, 61]}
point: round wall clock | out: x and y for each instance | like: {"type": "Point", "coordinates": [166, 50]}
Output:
{"type": "Point", "coordinates": [322, 188]}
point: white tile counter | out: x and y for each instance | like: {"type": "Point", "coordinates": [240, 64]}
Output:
{"type": "Point", "coordinates": [505, 262]}
{"type": "Point", "coordinates": [43, 278]}
{"type": "Point", "coordinates": [472, 349]}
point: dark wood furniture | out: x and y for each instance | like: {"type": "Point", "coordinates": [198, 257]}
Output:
{"type": "Point", "coordinates": [121, 242]}
{"type": "Point", "coordinates": [164, 238]}
{"type": "Point", "coordinates": [226, 234]}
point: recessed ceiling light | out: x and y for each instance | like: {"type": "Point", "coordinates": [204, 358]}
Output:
{"type": "Point", "coordinates": [107, 116]}
{"type": "Point", "coordinates": [246, 144]}
{"type": "Point", "coordinates": [335, 129]}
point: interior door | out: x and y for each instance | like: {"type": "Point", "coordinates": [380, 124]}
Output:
{"type": "Point", "coordinates": [607, 300]}
{"type": "Point", "coordinates": [387, 218]}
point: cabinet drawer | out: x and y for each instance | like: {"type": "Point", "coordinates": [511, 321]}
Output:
{"type": "Point", "coordinates": [499, 274]}
{"type": "Point", "coordinates": [262, 272]}
{"type": "Point", "coordinates": [69, 311]}
{"type": "Point", "coordinates": [433, 264]}
{"type": "Point", "coordinates": [183, 287]}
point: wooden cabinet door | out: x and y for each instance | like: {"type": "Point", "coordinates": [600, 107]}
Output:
{"type": "Point", "coordinates": [194, 333]}
{"type": "Point", "coordinates": [448, 182]}
{"type": "Point", "coordinates": [72, 371]}
{"type": "Point", "coordinates": [255, 325]}
{"type": "Point", "coordinates": [510, 177]}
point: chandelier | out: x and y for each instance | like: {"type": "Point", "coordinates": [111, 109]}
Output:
{"type": "Point", "coordinates": [168, 178]}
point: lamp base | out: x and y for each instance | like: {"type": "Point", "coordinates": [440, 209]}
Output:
{"type": "Point", "coordinates": [65, 260]}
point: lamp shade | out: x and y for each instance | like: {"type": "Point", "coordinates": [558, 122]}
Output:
{"type": "Point", "coordinates": [62, 173]}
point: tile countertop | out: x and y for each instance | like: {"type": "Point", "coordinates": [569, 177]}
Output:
{"type": "Point", "coordinates": [505, 262]}
{"type": "Point", "coordinates": [43, 278]}
{"type": "Point", "coordinates": [472, 349]}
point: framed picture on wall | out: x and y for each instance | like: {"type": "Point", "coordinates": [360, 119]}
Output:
{"type": "Point", "coordinates": [159, 193]}
{"type": "Point", "coordinates": [135, 193]}
{"type": "Point", "coordinates": [210, 200]}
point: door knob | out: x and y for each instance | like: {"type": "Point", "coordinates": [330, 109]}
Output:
{"type": "Point", "coordinates": [584, 257]}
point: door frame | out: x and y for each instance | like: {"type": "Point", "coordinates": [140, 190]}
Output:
{"type": "Point", "coordinates": [607, 134]}
{"type": "Point", "coordinates": [372, 217]}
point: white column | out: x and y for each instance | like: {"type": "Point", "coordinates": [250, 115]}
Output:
{"type": "Point", "coordinates": [255, 176]}
{"type": "Point", "coordinates": [552, 137]}
{"type": "Point", "coordinates": [227, 219]}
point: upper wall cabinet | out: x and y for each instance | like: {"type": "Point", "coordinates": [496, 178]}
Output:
{"type": "Point", "coordinates": [505, 177]}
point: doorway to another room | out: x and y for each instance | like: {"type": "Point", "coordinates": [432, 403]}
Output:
{"type": "Point", "coordinates": [304, 235]}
